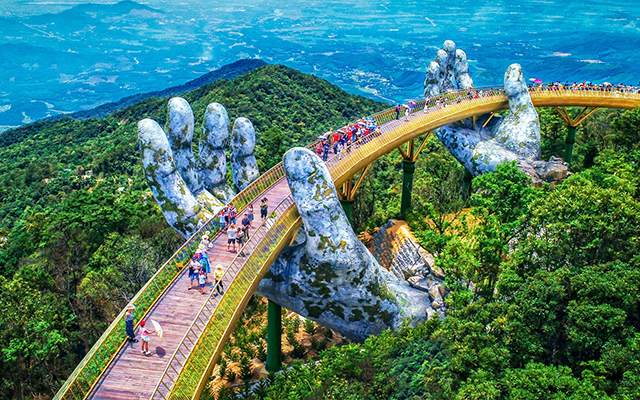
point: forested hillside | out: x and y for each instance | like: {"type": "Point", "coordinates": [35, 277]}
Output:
{"type": "Point", "coordinates": [79, 230]}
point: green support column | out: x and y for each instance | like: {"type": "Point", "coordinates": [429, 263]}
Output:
{"type": "Point", "coordinates": [347, 206]}
{"type": "Point", "coordinates": [568, 144]}
{"type": "Point", "coordinates": [274, 337]}
{"type": "Point", "coordinates": [408, 168]}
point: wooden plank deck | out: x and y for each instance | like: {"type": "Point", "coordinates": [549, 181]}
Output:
{"type": "Point", "coordinates": [134, 376]}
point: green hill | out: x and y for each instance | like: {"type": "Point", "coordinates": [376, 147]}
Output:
{"type": "Point", "coordinates": [79, 231]}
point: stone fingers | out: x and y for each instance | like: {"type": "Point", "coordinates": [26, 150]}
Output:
{"type": "Point", "coordinates": [461, 71]}
{"type": "Point", "coordinates": [180, 135]}
{"type": "Point", "coordinates": [243, 163]}
{"type": "Point", "coordinates": [180, 208]}
{"type": "Point", "coordinates": [330, 236]}
{"type": "Point", "coordinates": [520, 130]}
{"type": "Point", "coordinates": [448, 71]}
{"type": "Point", "coordinates": [213, 158]}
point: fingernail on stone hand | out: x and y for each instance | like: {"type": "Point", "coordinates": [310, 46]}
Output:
{"type": "Point", "coordinates": [329, 275]}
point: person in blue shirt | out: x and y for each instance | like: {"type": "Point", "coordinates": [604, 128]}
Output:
{"type": "Point", "coordinates": [325, 151]}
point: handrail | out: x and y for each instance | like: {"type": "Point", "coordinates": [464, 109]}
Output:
{"type": "Point", "coordinates": [84, 377]}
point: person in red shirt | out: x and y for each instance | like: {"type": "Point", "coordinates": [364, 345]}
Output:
{"type": "Point", "coordinates": [336, 139]}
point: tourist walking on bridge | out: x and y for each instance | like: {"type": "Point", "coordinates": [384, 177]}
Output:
{"type": "Point", "coordinates": [202, 280]}
{"type": "Point", "coordinates": [245, 226]}
{"type": "Point", "coordinates": [144, 334]}
{"type": "Point", "coordinates": [398, 111]}
{"type": "Point", "coordinates": [194, 266]}
{"type": "Point", "coordinates": [250, 215]}
{"type": "Point", "coordinates": [128, 323]}
{"type": "Point", "coordinates": [232, 232]}
{"type": "Point", "coordinates": [217, 283]}
{"type": "Point", "coordinates": [325, 151]}
{"type": "Point", "coordinates": [264, 209]}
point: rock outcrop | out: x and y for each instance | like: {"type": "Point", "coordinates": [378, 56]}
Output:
{"type": "Point", "coordinates": [397, 250]}
{"type": "Point", "coordinates": [328, 275]}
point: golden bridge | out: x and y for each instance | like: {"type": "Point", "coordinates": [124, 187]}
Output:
{"type": "Point", "coordinates": [197, 327]}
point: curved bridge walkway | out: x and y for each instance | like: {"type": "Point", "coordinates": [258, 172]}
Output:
{"type": "Point", "coordinates": [197, 326]}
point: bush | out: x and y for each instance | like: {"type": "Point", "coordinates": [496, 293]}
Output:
{"type": "Point", "coordinates": [310, 327]}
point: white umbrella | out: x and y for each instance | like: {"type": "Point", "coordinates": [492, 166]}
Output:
{"type": "Point", "coordinates": [158, 328]}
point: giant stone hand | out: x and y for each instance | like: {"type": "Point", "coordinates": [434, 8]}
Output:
{"type": "Point", "coordinates": [328, 274]}
{"type": "Point", "coordinates": [482, 148]}
{"type": "Point", "coordinates": [190, 192]}
{"type": "Point", "coordinates": [448, 71]}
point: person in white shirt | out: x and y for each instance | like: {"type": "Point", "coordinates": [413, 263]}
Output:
{"type": "Point", "coordinates": [232, 232]}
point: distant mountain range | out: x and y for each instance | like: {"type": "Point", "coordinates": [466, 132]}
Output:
{"type": "Point", "coordinates": [228, 72]}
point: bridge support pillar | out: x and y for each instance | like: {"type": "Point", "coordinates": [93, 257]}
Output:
{"type": "Point", "coordinates": [409, 157]}
{"type": "Point", "coordinates": [408, 168]}
{"type": "Point", "coordinates": [572, 125]}
{"type": "Point", "coordinates": [274, 337]}
{"type": "Point", "coordinates": [347, 206]}
{"type": "Point", "coordinates": [569, 142]}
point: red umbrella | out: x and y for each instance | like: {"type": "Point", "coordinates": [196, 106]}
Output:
{"type": "Point", "coordinates": [537, 80]}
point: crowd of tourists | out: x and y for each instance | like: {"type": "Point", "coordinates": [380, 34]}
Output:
{"type": "Point", "coordinates": [341, 141]}
{"type": "Point", "coordinates": [237, 235]}
{"type": "Point", "coordinates": [585, 86]}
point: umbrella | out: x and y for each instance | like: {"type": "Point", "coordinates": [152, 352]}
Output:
{"type": "Point", "coordinates": [537, 80]}
{"type": "Point", "coordinates": [158, 328]}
